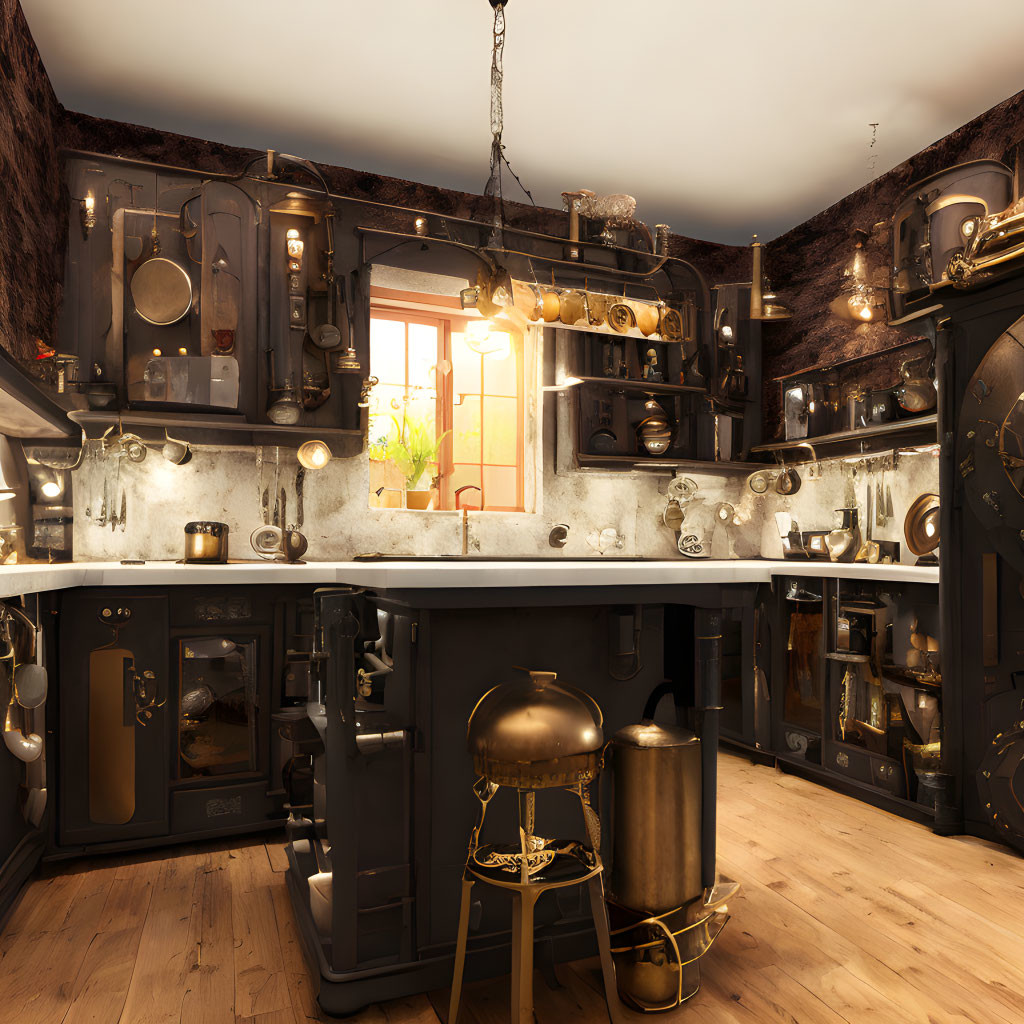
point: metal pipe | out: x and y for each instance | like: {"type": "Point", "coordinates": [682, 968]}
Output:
{"type": "Point", "coordinates": [756, 305]}
{"type": "Point", "coordinates": [371, 742]}
{"type": "Point", "coordinates": [708, 634]}
{"type": "Point", "coordinates": [596, 267]}
{"type": "Point", "coordinates": [475, 250]}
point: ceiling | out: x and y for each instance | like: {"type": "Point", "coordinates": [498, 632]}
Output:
{"type": "Point", "coordinates": [722, 119]}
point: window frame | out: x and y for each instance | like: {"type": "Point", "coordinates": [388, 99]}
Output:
{"type": "Point", "coordinates": [415, 307]}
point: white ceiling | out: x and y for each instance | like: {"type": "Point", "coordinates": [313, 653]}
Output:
{"type": "Point", "coordinates": [721, 118]}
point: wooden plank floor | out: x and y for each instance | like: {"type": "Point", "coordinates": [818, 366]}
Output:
{"type": "Point", "coordinates": [847, 914]}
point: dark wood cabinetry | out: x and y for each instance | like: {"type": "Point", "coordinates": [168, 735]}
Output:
{"type": "Point", "coordinates": [165, 710]}
{"type": "Point", "coordinates": [831, 694]}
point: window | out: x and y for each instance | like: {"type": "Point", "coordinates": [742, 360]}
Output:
{"type": "Point", "coordinates": [446, 424]}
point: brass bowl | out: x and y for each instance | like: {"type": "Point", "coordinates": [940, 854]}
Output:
{"type": "Point", "coordinates": [571, 307]}
{"type": "Point", "coordinates": [550, 304]}
{"type": "Point", "coordinates": [647, 320]}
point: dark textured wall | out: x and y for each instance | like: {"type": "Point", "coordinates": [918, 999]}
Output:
{"type": "Point", "coordinates": [805, 263]}
{"type": "Point", "coordinates": [32, 208]}
{"type": "Point", "coordinates": [93, 134]}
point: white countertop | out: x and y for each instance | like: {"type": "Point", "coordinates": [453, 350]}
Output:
{"type": "Point", "coordinates": [411, 575]}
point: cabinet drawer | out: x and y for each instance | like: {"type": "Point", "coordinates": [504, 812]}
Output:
{"type": "Point", "coordinates": [223, 807]}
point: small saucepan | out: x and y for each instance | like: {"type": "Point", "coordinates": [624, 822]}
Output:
{"type": "Point", "coordinates": [206, 542]}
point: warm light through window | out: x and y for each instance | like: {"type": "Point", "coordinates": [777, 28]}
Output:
{"type": "Point", "coordinates": [457, 378]}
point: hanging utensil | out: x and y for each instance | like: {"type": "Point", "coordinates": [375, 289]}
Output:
{"type": "Point", "coordinates": [869, 551]}
{"type": "Point", "coordinates": [917, 392]}
{"type": "Point", "coordinates": [788, 481]}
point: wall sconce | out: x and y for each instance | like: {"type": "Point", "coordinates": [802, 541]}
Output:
{"type": "Point", "coordinates": [174, 451]}
{"type": "Point", "coordinates": [313, 454]}
{"type": "Point", "coordinates": [87, 214]}
{"type": "Point", "coordinates": [858, 300]}
{"type": "Point", "coordinates": [764, 304]}
{"type": "Point", "coordinates": [52, 488]}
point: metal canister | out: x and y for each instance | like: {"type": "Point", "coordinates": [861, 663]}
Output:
{"type": "Point", "coordinates": [660, 924]}
{"type": "Point", "coordinates": [656, 848]}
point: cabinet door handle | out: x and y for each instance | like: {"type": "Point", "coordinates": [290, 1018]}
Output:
{"type": "Point", "coordinates": [144, 695]}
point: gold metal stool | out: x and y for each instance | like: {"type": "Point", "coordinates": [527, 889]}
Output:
{"type": "Point", "coordinates": [532, 735]}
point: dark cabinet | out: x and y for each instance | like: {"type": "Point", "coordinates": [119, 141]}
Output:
{"type": "Point", "coordinates": [165, 711]}
{"type": "Point", "coordinates": [845, 687]}
{"type": "Point", "coordinates": [114, 687]}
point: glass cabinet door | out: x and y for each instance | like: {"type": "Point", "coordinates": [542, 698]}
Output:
{"type": "Point", "coordinates": [218, 707]}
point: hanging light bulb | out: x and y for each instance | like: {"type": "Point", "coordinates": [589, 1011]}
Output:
{"type": "Point", "coordinates": [87, 214]}
{"type": "Point", "coordinates": [860, 306]}
{"type": "Point", "coordinates": [313, 454]}
{"type": "Point", "coordinates": [857, 299]}
{"type": "Point", "coordinates": [482, 339]}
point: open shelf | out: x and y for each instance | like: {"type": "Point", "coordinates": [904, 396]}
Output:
{"type": "Point", "coordinates": [922, 429]}
{"type": "Point", "coordinates": [184, 421]}
{"type": "Point", "coordinates": [658, 462]}
{"type": "Point", "coordinates": [655, 387]}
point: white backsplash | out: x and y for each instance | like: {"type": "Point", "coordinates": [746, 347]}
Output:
{"type": "Point", "coordinates": [226, 485]}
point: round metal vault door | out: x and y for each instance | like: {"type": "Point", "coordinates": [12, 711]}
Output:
{"type": "Point", "coordinates": [991, 444]}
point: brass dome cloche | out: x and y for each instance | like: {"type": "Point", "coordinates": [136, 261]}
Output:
{"type": "Point", "coordinates": [536, 734]}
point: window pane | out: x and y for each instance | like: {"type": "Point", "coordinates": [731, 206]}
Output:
{"type": "Point", "coordinates": [387, 350]}
{"type": "Point", "coordinates": [501, 431]}
{"type": "Point", "coordinates": [421, 409]}
{"type": "Point", "coordinates": [501, 487]}
{"type": "Point", "coordinates": [423, 355]}
{"type": "Point", "coordinates": [466, 432]}
{"type": "Point", "coordinates": [386, 401]}
{"type": "Point", "coordinates": [501, 376]}
{"type": "Point", "coordinates": [461, 476]}
{"type": "Point", "coordinates": [465, 367]}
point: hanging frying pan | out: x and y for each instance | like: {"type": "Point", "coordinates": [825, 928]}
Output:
{"type": "Point", "coordinates": [162, 291]}
{"type": "Point", "coordinates": [921, 527]}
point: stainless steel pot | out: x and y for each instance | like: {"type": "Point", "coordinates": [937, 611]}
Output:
{"type": "Point", "coordinates": [206, 542]}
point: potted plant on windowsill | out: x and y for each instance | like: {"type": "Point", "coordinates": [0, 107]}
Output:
{"type": "Point", "coordinates": [413, 448]}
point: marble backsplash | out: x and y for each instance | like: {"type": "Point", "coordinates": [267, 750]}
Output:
{"type": "Point", "coordinates": [226, 485]}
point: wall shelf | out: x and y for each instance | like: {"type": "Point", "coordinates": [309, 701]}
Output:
{"type": "Point", "coordinates": [920, 429]}
{"type": "Point", "coordinates": [654, 387]}
{"type": "Point", "coordinates": [657, 462]}
{"type": "Point", "coordinates": [188, 422]}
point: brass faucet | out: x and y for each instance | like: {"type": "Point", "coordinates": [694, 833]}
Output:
{"type": "Point", "coordinates": [465, 513]}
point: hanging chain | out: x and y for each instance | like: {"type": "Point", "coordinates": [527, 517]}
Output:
{"type": "Point", "coordinates": [493, 187]}
{"type": "Point", "coordinates": [497, 50]}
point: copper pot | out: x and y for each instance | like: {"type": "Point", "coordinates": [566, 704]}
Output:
{"type": "Point", "coordinates": [206, 542]}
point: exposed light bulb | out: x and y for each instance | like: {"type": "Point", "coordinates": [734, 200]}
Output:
{"type": "Point", "coordinates": [87, 214]}
{"type": "Point", "coordinates": [313, 455]}
{"type": "Point", "coordinates": [51, 489]}
{"type": "Point", "coordinates": [860, 306]}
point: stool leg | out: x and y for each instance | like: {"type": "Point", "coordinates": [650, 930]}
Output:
{"type": "Point", "coordinates": [617, 1012]}
{"type": "Point", "coordinates": [460, 952]}
{"type": "Point", "coordinates": [522, 956]}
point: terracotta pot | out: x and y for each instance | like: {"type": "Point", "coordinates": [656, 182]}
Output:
{"type": "Point", "coordinates": [418, 499]}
